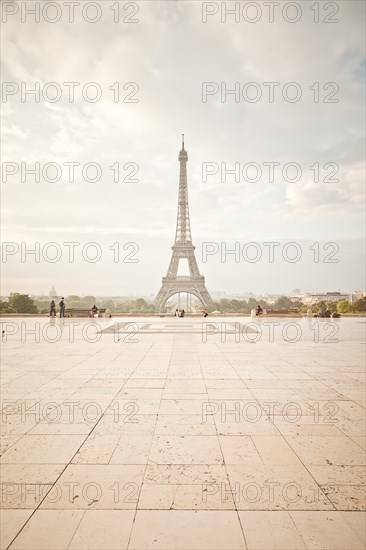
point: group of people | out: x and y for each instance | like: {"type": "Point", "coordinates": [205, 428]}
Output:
{"type": "Point", "coordinates": [327, 313]}
{"type": "Point", "coordinates": [93, 312]}
{"type": "Point", "coordinates": [179, 313]}
{"type": "Point", "coordinates": [62, 307]}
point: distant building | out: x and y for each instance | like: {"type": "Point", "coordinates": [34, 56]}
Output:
{"type": "Point", "coordinates": [297, 298]}
{"type": "Point", "coordinates": [311, 299]}
{"type": "Point", "coordinates": [357, 295]}
{"type": "Point", "coordinates": [53, 293]}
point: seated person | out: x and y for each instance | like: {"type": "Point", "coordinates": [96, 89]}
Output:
{"type": "Point", "coordinates": [259, 310]}
{"type": "Point", "coordinates": [94, 311]}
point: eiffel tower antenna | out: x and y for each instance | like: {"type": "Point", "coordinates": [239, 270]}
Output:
{"type": "Point", "coordinates": [183, 249]}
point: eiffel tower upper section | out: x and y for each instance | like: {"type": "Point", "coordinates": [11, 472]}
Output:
{"type": "Point", "coordinates": [183, 234]}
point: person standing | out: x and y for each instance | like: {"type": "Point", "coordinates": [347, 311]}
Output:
{"type": "Point", "coordinates": [53, 309]}
{"type": "Point", "coordinates": [62, 307]}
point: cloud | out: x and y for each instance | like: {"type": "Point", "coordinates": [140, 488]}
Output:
{"type": "Point", "coordinates": [169, 54]}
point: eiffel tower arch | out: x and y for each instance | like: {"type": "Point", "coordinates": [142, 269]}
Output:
{"type": "Point", "coordinates": [183, 249]}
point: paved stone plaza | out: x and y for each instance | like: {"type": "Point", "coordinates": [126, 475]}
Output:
{"type": "Point", "coordinates": [169, 433]}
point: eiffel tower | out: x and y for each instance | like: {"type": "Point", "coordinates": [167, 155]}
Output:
{"type": "Point", "coordinates": [194, 284]}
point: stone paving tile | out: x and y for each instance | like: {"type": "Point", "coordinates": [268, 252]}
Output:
{"type": "Point", "coordinates": [181, 406]}
{"type": "Point", "coordinates": [132, 449]}
{"type": "Point", "coordinates": [325, 450]}
{"type": "Point", "coordinates": [186, 530]}
{"type": "Point", "coordinates": [139, 394]}
{"type": "Point", "coordinates": [7, 441]}
{"type": "Point", "coordinates": [202, 397]}
{"type": "Point", "coordinates": [62, 428]}
{"type": "Point", "coordinates": [246, 423]}
{"type": "Point", "coordinates": [270, 531]}
{"type": "Point", "coordinates": [305, 426]}
{"type": "Point", "coordinates": [48, 530]}
{"type": "Point", "coordinates": [180, 384]}
{"type": "Point", "coordinates": [214, 441]}
{"type": "Point", "coordinates": [185, 449]}
{"type": "Point", "coordinates": [96, 486]}
{"type": "Point", "coordinates": [326, 530]}
{"type": "Point", "coordinates": [43, 449]}
{"type": "Point", "coordinates": [11, 523]}
{"type": "Point", "coordinates": [25, 485]}
{"type": "Point", "coordinates": [239, 450]}
{"type": "Point", "coordinates": [346, 497]}
{"type": "Point", "coordinates": [184, 497]}
{"type": "Point", "coordinates": [131, 423]}
{"type": "Point", "coordinates": [338, 475]}
{"type": "Point", "coordinates": [97, 449]}
{"type": "Point", "coordinates": [184, 424]}
{"type": "Point", "coordinates": [276, 487]}
{"type": "Point", "coordinates": [230, 394]}
{"type": "Point", "coordinates": [360, 441]}
{"type": "Point", "coordinates": [103, 530]}
{"type": "Point", "coordinates": [217, 384]}
{"type": "Point", "coordinates": [158, 384]}
{"type": "Point", "coordinates": [357, 522]}
{"type": "Point", "coordinates": [142, 406]}
{"type": "Point", "coordinates": [17, 426]}
{"type": "Point", "coordinates": [185, 474]}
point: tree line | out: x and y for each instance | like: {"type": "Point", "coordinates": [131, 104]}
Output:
{"type": "Point", "coordinates": [23, 303]}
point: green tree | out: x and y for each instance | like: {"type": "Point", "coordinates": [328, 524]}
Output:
{"type": "Point", "coordinates": [297, 303]}
{"type": "Point", "coordinates": [4, 307]}
{"type": "Point", "coordinates": [321, 306]}
{"type": "Point", "coordinates": [252, 303]}
{"type": "Point", "coordinates": [43, 306]}
{"type": "Point", "coordinates": [107, 304]}
{"type": "Point", "coordinates": [360, 305]}
{"type": "Point", "coordinates": [332, 306]}
{"type": "Point", "coordinates": [343, 306]}
{"type": "Point", "coordinates": [215, 306]}
{"type": "Point", "coordinates": [87, 301]}
{"type": "Point", "coordinates": [140, 304]}
{"type": "Point", "coordinates": [21, 303]}
{"type": "Point", "coordinates": [283, 302]}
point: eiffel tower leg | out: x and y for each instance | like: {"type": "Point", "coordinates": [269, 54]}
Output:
{"type": "Point", "coordinates": [160, 299]}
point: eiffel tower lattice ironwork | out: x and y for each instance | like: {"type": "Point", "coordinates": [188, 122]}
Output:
{"type": "Point", "coordinates": [183, 248]}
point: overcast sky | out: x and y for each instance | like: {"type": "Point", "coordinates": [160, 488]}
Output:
{"type": "Point", "coordinates": [169, 53]}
